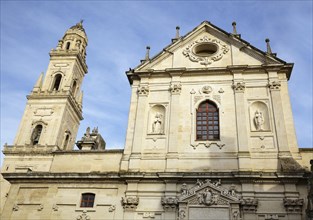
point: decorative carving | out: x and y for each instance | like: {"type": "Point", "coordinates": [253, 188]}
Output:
{"type": "Point", "coordinates": [206, 89]}
{"type": "Point", "coordinates": [274, 85]}
{"type": "Point", "coordinates": [184, 190]}
{"type": "Point", "coordinates": [249, 204]}
{"type": "Point", "coordinates": [207, 197]}
{"type": "Point", "coordinates": [175, 89]}
{"type": "Point", "coordinates": [208, 144]}
{"type": "Point", "coordinates": [258, 120]}
{"type": "Point", "coordinates": [293, 205]}
{"type": "Point", "coordinates": [143, 90]}
{"type": "Point", "coordinates": [217, 98]}
{"type": "Point", "coordinates": [83, 216]}
{"type": "Point", "coordinates": [182, 214]}
{"type": "Point", "coordinates": [221, 90]}
{"type": "Point", "coordinates": [157, 123]}
{"type": "Point", "coordinates": [112, 208]}
{"type": "Point", "coordinates": [55, 207]}
{"type": "Point", "coordinates": [206, 60]}
{"type": "Point", "coordinates": [148, 215]}
{"type": "Point", "coordinates": [43, 112]}
{"type": "Point", "coordinates": [40, 208]}
{"type": "Point", "coordinates": [169, 202]}
{"type": "Point", "coordinates": [130, 203]}
{"type": "Point", "coordinates": [239, 87]}
{"type": "Point", "coordinates": [271, 217]}
{"type": "Point", "coordinates": [236, 215]}
{"type": "Point", "coordinates": [15, 208]}
{"type": "Point", "coordinates": [192, 92]}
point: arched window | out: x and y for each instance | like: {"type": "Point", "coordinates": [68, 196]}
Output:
{"type": "Point", "coordinates": [207, 121]}
{"type": "Point", "coordinates": [66, 140]}
{"type": "Point", "coordinates": [87, 200]}
{"type": "Point", "coordinates": [36, 134]}
{"type": "Point", "coordinates": [74, 87]}
{"type": "Point", "coordinates": [57, 82]}
{"type": "Point", "coordinates": [68, 44]}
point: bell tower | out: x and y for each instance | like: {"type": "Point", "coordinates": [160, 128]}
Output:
{"type": "Point", "coordinates": [54, 107]}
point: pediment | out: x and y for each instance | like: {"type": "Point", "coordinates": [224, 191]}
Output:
{"type": "Point", "coordinates": [208, 46]}
{"type": "Point", "coordinates": [208, 193]}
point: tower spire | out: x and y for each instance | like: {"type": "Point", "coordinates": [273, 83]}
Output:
{"type": "Point", "coordinates": [38, 84]}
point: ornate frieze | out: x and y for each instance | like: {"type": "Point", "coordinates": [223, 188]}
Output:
{"type": "Point", "coordinates": [169, 202]}
{"type": "Point", "coordinates": [249, 204]}
{"type": "Point", "coordinates": [239, 87]}
{"type": "Point", "coordinates": [143, 90]}
{"type": "Point", "coordinates": [217, 48]}
{"type": "Point", "coordinates": [293, 205]}
{"type": "Point", "coordinates": [274, 85]}
{"type": "Point", "coordinates": [175, 89]}
{"type": "Point", "coordinates": [130, 203]}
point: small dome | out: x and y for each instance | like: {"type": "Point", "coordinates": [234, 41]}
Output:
{"type": "Point", "coordinates": [77, 29]}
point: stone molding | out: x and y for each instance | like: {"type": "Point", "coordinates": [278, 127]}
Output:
{"type": "Point", "coordinates": [249, 205]}
{"type": "Point", "coordinates": [130, 203]}
{"type": "Point", "coordinates": [293, 205]}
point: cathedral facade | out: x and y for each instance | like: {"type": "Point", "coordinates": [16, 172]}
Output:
{"type": "Point", "coordinates": [210, 136]}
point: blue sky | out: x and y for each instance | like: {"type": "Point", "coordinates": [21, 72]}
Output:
{"type": "Point", "coordinates": [119, 31]}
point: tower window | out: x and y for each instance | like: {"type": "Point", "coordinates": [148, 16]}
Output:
{"type": "Point", "coordinates": [74, 87]}
{"type": "Point", "coordinates": [68, 44]}
{"type": "Point", "coordinates": [87, 200]}
{"type": "Point", "coordinates": [36, 134]}
{"type": "Point", "coordinates": [57, 82]}
{"type": "Point", "coordinates": [207, 121]}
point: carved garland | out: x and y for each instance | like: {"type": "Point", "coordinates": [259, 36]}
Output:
{"type": "Point", "coordinates": [207, 60]}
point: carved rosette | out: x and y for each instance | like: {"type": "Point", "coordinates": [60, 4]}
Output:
{"type": "Point", "coordinates": [239, 87]}
{"type": "Point", "coordinates": [175, 89]}
{"type": "Point", "coordinates": [169, 202]}
{"type": "Point", "coordinates": [130, 203]}
{"type": "Point", "coordinates": [274, 85]}
{"type": "Point", "coordinates": [293, 205]}
{"type": "Point", "coordinates": [143, 90]}
{"type": "Point", "coordinates": [249, 205]}
{"type": "Point", "coordinates": [206, 60]}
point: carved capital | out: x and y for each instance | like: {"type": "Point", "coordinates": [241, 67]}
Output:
{"type": "Point", "coordinates": [274, 85]}
{"type": "Point", "coordinates": [249, 204]}
{"type": "Point", "coordinates": [169, 202]}
{"type": "Point", "coordinates": [175, 89]}
{"type": "Point", "coordinates": [293, 205]}
{"type": "Point", "coordinates": [130, 203]}
{"type": "Point", "coordinates": [143, 90]}
{"type": "Point", "coordinates": [239, 87]}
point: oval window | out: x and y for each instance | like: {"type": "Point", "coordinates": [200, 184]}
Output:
{"type": "Point", "coordinates": [205, 49]}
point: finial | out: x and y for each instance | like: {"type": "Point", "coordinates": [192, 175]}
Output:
{"type": "Point", "coordinates": [177, 32]}
{"type": "Point", "coordinates": [81, 21]}
{"type": "Point", "coordinates": [268, 46]}
{"type": "Point", "coordinates": [234, 28]}
{"type": "Point", "coordinates": [147, 53]}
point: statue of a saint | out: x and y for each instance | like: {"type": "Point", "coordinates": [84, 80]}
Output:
{"type": "Point", "coordinates": [258, 120]}
{"type": "Point", "coordinates": [157, 123]}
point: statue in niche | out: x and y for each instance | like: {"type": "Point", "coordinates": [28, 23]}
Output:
{"type": "Point", "coordinates": [157, 123]}
{"type": "Point", "coordinates": [87, 134]}
{"type": "Point", "coordinates": [258, 120]}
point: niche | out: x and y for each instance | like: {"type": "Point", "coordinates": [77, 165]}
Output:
{"type": "Point", "coordinates": [156, 120]}
{"type": "Point", "coordinates": [259, 117]}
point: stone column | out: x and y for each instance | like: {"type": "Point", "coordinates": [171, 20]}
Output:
{"type": "Point", "coordinates": [174, 122]}
{"type": "Point", "coordinates": [143, 92]}
{"type": "Point", "coordinates": [279, 121]}
{"type": "Point", "coordinates": [241, 121]}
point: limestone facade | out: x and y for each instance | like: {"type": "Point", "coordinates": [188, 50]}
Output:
{"type": "Point", "coordinates": [210, 136]}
